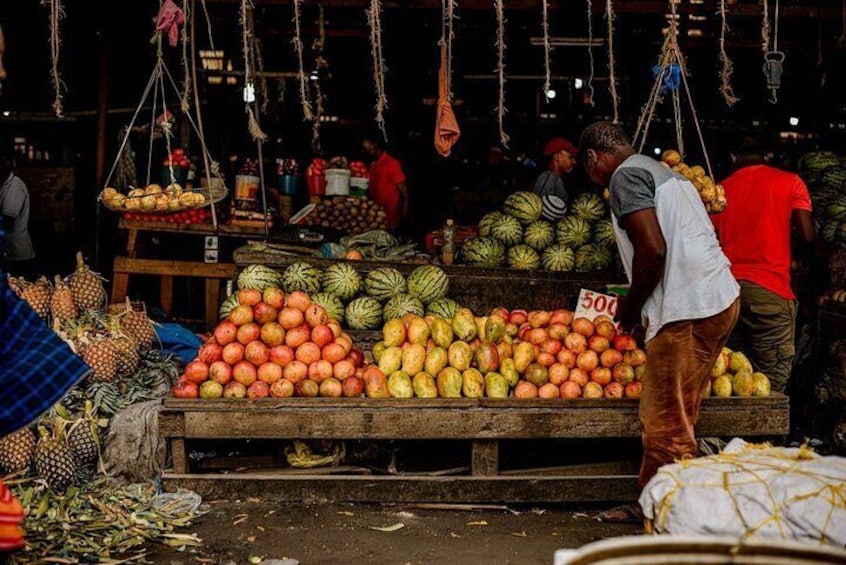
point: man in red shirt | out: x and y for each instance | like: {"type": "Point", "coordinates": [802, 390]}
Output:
{"type": "Point", "coordinates": [387, 182]}
{"type": "Point", "coordinates": [764, 205]}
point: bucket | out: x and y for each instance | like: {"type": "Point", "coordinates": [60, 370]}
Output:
{"type": "Point", "coordinates": [247, 188]}
{"type": "Point", "coordinates": [316, 185]}
{"type": "Point", "coordinates": [358, 186]}
{"type": "Point", "coordinates": [337, 182]}
{"type": "Point", "coordinates": [288, 184]}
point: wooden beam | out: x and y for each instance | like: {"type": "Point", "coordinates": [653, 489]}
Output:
{"type": "Point", "coordinates": [174, 268]}
{"type": "Point", "coordinates": [485, 457]}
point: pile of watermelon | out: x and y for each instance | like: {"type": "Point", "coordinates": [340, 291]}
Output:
{"type": "Point", "coordinates": [360, 301]}
{"type": "Point", "coordinates": [825, 174]}
{"type": "Point", "coordinates": [517, 237]}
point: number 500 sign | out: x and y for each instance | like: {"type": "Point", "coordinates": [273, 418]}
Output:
{"type": "Point", "coordinates": [592, 304]}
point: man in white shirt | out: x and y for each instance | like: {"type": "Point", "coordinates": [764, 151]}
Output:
{"type": "Point", "coordinates": [682, 289]}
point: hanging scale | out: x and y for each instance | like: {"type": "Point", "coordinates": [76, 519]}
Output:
{"type": "Point", "coordinates": [774, 61]}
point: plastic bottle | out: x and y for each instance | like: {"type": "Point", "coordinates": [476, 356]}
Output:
{"type": "Point", "coordinates": [448, 251]}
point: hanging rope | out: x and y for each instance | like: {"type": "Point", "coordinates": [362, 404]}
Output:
{"type": "Point", "coordinates": [247, 33]}
{"type": "Point", "coordinates": [843, 24]}
{"type": "Point", "coordinates": [590, 51]}
{"type": "Point", "coordinates": [208, 24]}
{"type": "Point", "coordinates": [728, 68]}
{"type": "Point", "coordinates": [773, 62]}
{"type": "Point", "coordinates": [449, 22]}
{"type": "Point", "coordinates": [374, 21]}
{"type": "Point", "coordinates": [612, 78]}
{"type": "Point", "coordinates": [320, 65]}
{"type": "Point", "coordinates": [298, 47]}
{"type": "Point", "coordinates": [500, 70]}
{"type": "Point", "coordinates": [186, 67]}
{"type": "Point", "coordinates": [546, 49]}
{"type": "Point", "coordinates": [57, 13]}
{"type": "Point", "coordinates": [765, 27]}
{"type": "Point", "coordinates": [263, 91]}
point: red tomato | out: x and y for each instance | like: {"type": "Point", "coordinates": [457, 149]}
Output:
{"type": "Point", "coordinates": [178, 152]}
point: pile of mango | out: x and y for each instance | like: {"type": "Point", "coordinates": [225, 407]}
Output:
{"type": "Point", "coordinates": [733, 375]}
{"type": "Point", "coordinates": [713, 195]}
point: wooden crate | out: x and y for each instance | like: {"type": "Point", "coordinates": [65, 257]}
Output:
{"type": "Point", "coordinates": [484, 423]}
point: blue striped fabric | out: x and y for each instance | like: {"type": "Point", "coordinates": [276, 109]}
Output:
{"type": "Point", "coordinates": [36, 367]}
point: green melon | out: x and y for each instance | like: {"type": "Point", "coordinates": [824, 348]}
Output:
{"type": "Point", "coordinates": [301, 276]}
{"type": "Point", "coordinates": [488, 221]}
{"type": "Point", "coordinates": [523, 257]}
{"type": "Point", "coordinates": [603, 233]}
{"type": "Point", "coordinates": [829, 231]}
{"type": "Point", "coordinates": [483, 252]}
{"type": "Point", "coordinates": [342, 280]}
{"type": "Point", "coordinates": [443, 308]}
{"type": "Point", "coordinates": [837, 209]}
{"type": "Point", "coordinates": [559, 258]}
{"type": "Point", "coordinates": [259, 277]}
{"type": "Point", "coordinates": [331, 303]}
{"type": "Point", "coordinates": [525, 206]}
{"type": "Point", "coordinates": [228, 305]}
{"type": "Point", "coordinates": [385, 283]}
{"type": "Point", "coordinates": [539, 235]}
{"type": "Point", "coordinates": [835, 177]}
{"type": "Point", "coordinates": [819, 160]}
{"type": "Point", "coordinates": [508, 231]}
{"type": "Point", "coordinates": [592, 257]}
{"type": "Point", "coordinates": [428, 283]}
{"type": "Point", "coordinates": [363, 313]}
{"type": "Point", "coordinates": [402, 304]}
{"type": "Point", "coordinates": [589, 207]}
{"type": "Point", "coordinates": [572, 231]}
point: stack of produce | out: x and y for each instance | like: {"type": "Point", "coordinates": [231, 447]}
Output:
{"type": "Point", "coordinates": [518, 238]}
{"type": "Point", "coordinates": [713, 195]}
{"type": "Point", "coordinates": [537, 354]}
{"type": "Point", "coordinates": [195, 216]}
{"type": "Point", "coordinates": [825, 175]}
{"type": "Point", "coordinates": [177, 159]}
{"type": "Point", "coordinates": [359, 301]}
{"type": "Point", "coordinates": [278, 345]}
{"type": "Point", "coordinates": [359, 170]}
{"type": "Point", "coordinates": [733, 375]}
{"type": "Point", "coordinates": [152, 198]}
{"type": "Point", "coordinates": [287, 167]}
{"type": "Point", "coordinates": [348, 213]}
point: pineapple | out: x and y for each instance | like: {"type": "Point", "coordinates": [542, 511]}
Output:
{"type": "Point", "coordinates": [54, 461]}
{"type": "Point", "coordinates": [102, 356]}
{"type": "Point", "coordinates": [86, 287]}
{"type": "Point", "coordinates": [38, 296]}
{"type": "Point", "coordinates": [62, 306]}
{"type": "Point", "coordinates": [138, 326]}
{"type": "Point", "coordinates": [84, 443]}
{"type": "Point", "coordinates": [16, 284]}
{"type": "Point", "coordinates": [129, 359]}
{"type": "Point", "coordinates": [16, 451]}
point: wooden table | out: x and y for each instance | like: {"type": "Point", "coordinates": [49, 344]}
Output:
{"type": "Point", "coordinates": [484, 423]}
{"type": "Point", "coordinates": [213, 273]}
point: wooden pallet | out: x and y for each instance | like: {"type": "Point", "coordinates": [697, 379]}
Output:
{"type": "Point", "coordinates": [483, 422]}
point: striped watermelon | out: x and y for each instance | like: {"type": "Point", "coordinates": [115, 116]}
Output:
{"type": "Point", "coordinates": [819, 160]}
{"type": "Point", "coordinates": [402, 304]}
{"type": "Point", "coordinates": [428, 283]}
{"type": "Point", "coordinates": [483, 252]}
{"type": "Point", "coordinates": [558, 258]}
{"type": "Point", "coordinates": [589, 207]}
{"type": "Point", "coordinates": [342, 280]}
{"type": "Point", "coordinates": [834, 176]}
{"type": "Point", "coordinates": [592, 257]}
{"type": "Point", "coordinates": [259, 277]}
{"type": "Point", "coordinates": [523, 257]}
{"type": "Point", "coordinates": [443, 308]}
{"type": "Point", "coordinates": [384, 283]}
{"type": "Point", "coordinates": [228, 305]}
{"type": "Point", "coordinates": [363, 313]}
{"type": "Point", "coordinates": [488, 221]}
{"type": "Point", "coordinates": [603, 233]}
{"type": "Point", "coordinates": [301, 276]}
{"type": "Point", "coordinates": [829, 231]}
{"type": "Point", "coordinates": [331, 303]}
{"type": "Point", "coordinates": [572, 232]}
{"type": "Point", "coordinates": [525, 206]}
{"type": "Point", "coordinates": [539, 235]}
{"type": "Point", "coordinates": [507, 230]}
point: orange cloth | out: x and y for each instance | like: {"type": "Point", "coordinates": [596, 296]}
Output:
{"type": "Point", "coordinates": [11, 517]}
{"type": "Point", "coordinates": [446, 126]}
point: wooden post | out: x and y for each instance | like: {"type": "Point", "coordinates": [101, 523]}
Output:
{"type": "Point", "coordinates": [179, 456]}
{"type": "Point", "coordinates": [166, 298]}
{"type": "Point", "coordinates": [212, 300]}
{"type": "Point", "coordinates": [485, 457]}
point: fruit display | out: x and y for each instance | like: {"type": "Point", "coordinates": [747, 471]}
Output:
{"type": "Point", "coordinates": [153, 199]}
{"type": "Point", "coordinates": [287, 167]}
{"type": "Point", "coordinates": [825, 175]}
{"type": "Point", "coordinates": [274, 344]}
{"type": "Point", "coordinates": [517, 354]}
{"type": "Point", "coordinates": [712, 194]}
{"type": "Point", "coordinates": [351, 214]}
{"type": "Point", "coordinates": [733, 375]}
{"type": "Point", "coordinates": [359, 170]}
{"type": "Point", "coordinates": [518, 238]}
{"type": "Point", "coordinates": [195, 216]}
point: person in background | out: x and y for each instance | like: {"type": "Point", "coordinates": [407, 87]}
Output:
{"type": "Point", "coordinates": [387, 181]}
{"type": "Point", "coordinates": [561, 155]}
{"type": "Point", "coordinates": [16, 247]}
{"type": "Point", "coordinates": [682, 291]}
{"type": "Point", "coordinates": [765, 205]}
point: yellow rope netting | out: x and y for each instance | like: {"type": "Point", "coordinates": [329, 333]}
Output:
{"type": "Point", "coordinates": [57, 13]}
{"type": "Point", "coordinates": [727, 67]}
{"type": "Point", "coordinates": [500, 70]}
{"type": "Point", "coordinates": [374, 21]}
{"type": "Point", "coordinates": [298, 47]}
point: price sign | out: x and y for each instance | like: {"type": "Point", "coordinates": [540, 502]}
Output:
{"type": "Point", "coordinates": [592, 304]}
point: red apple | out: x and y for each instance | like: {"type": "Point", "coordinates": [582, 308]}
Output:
{"type": "Point", "coordinates": [539, 318]}
{"type": "Point", "coordinates": [220, 372]}
{"type": "Point", "coordinates": [558, 331]}
{"type": "Point", "coordinates": [353, 387]}
{"type": "Point", "coordinates": [233, 353]}
{"type": "Point", "coordinates": [598, 343]}
{"type": "Point", "coordinates": [264, 313]}
{"type": "Point", "coordinates": [601, 376]}
{"type": "Point", "coordinates": [623, 374]}
{"type": "Point", "coordinates": [566, 358]}
{"type": "Point", "coordinates": [614, 390]}
{"type": "Point", "coordinates": [577, 343]}
{"type": "Point", "coordinates": [281, 355]}
{"type": "Point", "coordinates": [274, 297]}
{"type": "Point", "coordinates": [633, 389]}
{"type": "Point", "coordinates": [624, 342]}
{"type": "Point", "coordinates": [518, 317]}
{"type": "Point", "coordinates": [610, 357]}
{"type": "Point", "coordinates": [282, 389]}
{"type": "Point", "coordinates": [569, 389]}
{"type": "Point", "coordinates": [197, 372]}
{"type": "Point", "coordinates": [258, 389]}
{"type": "Point", "coordinates": [605, 329]}
{"type": "Point", "coordinates": [592, 390]}
{"type": "Point", "coordinates": [579, 376]}
{"type": "Point", "coordinates": [587, 360]}
{"type": "Point", "coordinates": [249, 333]}
{"type": "Point", "coordinates": [558, 374]}
{"type": "Point", "coordinates": [235, 390]}
{"type": "Point", "coordinates": [244, 372]}
{"type": "Point", "coordinates": [583, 326]}
{"type": "Point", "coordinates": [210, 352]}
{"type": "Point", "coordinates": [269, 373]}
{"type": "Point", "coordinates": [322, 335]}
{"type": "Point", "coordinates": [257, 353]}
{"type": "Point", "coordinates": [563, 317]}
{"type": "Point", "coordinates": [551, 346]}
{"type": "Point", "coordinates": [225, 332]}
{"type": "Point", "coordinates": [249, 297]}
{"type": "Point", "coordinates": [272, 334]}
{"type": "Point", "coordinates": [186, 389]}
{"type": "Point", "coordinates": [635, 358]}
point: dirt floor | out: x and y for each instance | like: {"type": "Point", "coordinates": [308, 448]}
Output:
{"type": "Point", "coordinates": [250, 531]}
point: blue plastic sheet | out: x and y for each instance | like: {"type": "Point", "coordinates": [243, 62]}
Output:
{"type": "Point", "coordinates": [672, 77]}
{"type": "Point", "coordinates": [178, 341]}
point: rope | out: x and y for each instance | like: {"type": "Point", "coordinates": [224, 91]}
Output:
{"type": "Point", "coordinates": [57, 13]}
{"type": "Point", "coordinates": [695, 117]}
{"type": "Point", "coordinates": [374, 21]}
{"type": "Point", "coordinates": [765, 27]}
{"type": "Point", "coordinates": [186, 68]}
{"type": "Point", "coordinates": [167, 129]}
{"type": "Point", "coordinates": [208, 24]}
{"type": "Point", "coordinates": [247, 37]}
{"type": "Point", "coordinates": [728, 69]}
{"type": "Point", "coordinates": [298, 47]}
{"type": "Point", "coordinates": [612, 79]}
{"type": "Point", "coordinates": [156, 74]}
{"type": "Point", "coordinates": [319, 64]}
{"type": "Point", "coordinates": [500, 47]}
{"type": "Point", "coordinates": [592, 71]}
{"type": "Point", "coordinates": [546, 48]}
{"type": "Point", "coordinates": [263, 90]}
{"type": "Point", "coordinates": [775, 32]}
{"type": "Point", "coordinates": [449, 21]}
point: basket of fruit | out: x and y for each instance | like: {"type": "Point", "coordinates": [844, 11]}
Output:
{"type": "Point", "coordinates": [153, 199]}
{"type": "Point", "coordinates": [713, 195]}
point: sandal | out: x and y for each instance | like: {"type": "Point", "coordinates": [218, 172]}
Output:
{"type": "Point", "coordinates": [625, 514]}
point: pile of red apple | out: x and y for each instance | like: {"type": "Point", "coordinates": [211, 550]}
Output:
{"type": "Point", "coordinates": [273, 345]}
{"type": "Point", "coordinates": [576, 358]}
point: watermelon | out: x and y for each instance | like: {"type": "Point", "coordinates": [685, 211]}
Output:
{"type": "Point", "coordinates": [837, 209]}
{"type": "Point", "coordinates": [819, 160]}
{"type": "Point", "coordinates": [428, 283]}
{"type": "Point", "coordinates": [483, 252]}
{"type": "Point", "coordinates": [559, 258]}
{"type": "Point", "coordinates": [384, 283]}
{"type": "Point", "coordinates": [443, 308]}
{"type": "Point", "coordinates": [301, 276]}
{"type": "Point", "coordinates": [525, 206]}
{"type": "Point", "coordinates": [539, 235]}
{"type": "Point", "coordinates": [828, 232]}
{"type": "Point", "coordinates": [589, 207]}
{"type": "Point", "coordinates": [572, 232]}
{"type": "Point", "coordinates": [592, 257]}
{"type": "Point", "coordinates": [342, 280]}
{"type": "Point", "coordinates": [259, 277]}
{"type": "Point", "coordinates": [228, 305]}
{"type": "Point", "coordinates": [603, 233]}
{"type": "Point", "coordinates": [331, 303]}
{"type": "Point", "coordinates": [488, 221]}
{"type": "Point", "coordinates": [363, 313]}
{"type": "Point", "coordinates": [402, 304]}
{"type": "Point", "coordinates": [523, 257]}
{"type": "Point", "coordinates": [507, 230]}
{"type": "Point", "coordinates": [835, 177]}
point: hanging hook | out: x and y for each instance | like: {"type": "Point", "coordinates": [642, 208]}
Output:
{"type": "Point", "coordinates": [773, 69]}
